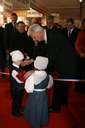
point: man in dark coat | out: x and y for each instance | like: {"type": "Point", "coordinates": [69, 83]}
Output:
{"type": "Point", "coordinates": [20, 41]}
{"type": "Point", "coordinates": [62, 59]}
{"type": "Point", "coordinates": [70, 31]}
{"type": "Point", "coordinates": [50, 23]}
{"type": "Point", "coordinates": [9, 30]}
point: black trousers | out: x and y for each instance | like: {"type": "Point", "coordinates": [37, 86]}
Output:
{"type": "Point", "coordinates": [17, 97]}
{"type": "Point", "coordinates": [60, 94]}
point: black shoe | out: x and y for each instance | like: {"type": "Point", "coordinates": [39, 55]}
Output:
{"type": "Point", "coordinates": [18, 114]}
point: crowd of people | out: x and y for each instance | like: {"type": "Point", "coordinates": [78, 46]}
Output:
{"type": "Point", "coordinates": [38, 56]}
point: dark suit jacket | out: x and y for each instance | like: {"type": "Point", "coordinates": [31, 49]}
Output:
{"type": "Point", "coordinates": [62, 57]}
{"type": "Point", "coordinates": [8, 33]}
{"type": "Point", "coordinates": [20, 41]}
{"type": "Point", "coordinates": [73, 36]}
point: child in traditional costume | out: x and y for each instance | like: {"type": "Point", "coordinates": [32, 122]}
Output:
{"type": "Point", "coordinates": [17, 80]}
{"type": "Point", "coordinates": [36, 110]}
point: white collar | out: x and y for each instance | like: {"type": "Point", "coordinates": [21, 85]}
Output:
{"type": "Point", "coordinates": [40, 72]}
{"type": "Point", "coordinates": [15, 65]}
{"type": "Point", "coordinates": [45, 36]}
{"type": "Point", "coordinates": [39, 76]}
{"type": "Point", "coordinates": [71, 30]}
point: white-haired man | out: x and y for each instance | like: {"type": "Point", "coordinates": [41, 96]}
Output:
{"type": "Point", "coordinates": [62, 59]}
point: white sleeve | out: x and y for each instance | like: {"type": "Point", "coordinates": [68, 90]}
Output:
{"type": "Point", "coordinates": [50, 84]}
{"type": "Point", "coordinates": [27, 57]}
{"type": "Point", "coordinates": [14, 73]}
{"type": "Point", "coordinates": [29, 84]}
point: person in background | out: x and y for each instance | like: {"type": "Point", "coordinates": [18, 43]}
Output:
{"type": "Point", "coordinates": [9, 29]}
{"type": "Point", "coordinates": [17, 79]}
{"type": "Point", "coordinates": [22, 42]}
{"type": "Point", "coordinates": [80, 48]}
{"type": "Point", "coordinates": [63, 60]}
{"type": "Point", "coordinates": [50, 23]}
{"type": "Point", "coordinates": [36, 110]}
{"type": "Point", "coordinates": [70, 31]}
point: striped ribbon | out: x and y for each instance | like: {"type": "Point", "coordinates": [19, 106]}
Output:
{"type": "Point", "coordinates": [68, 80]}
{"type": "Point", "coordinates": [4, 73]}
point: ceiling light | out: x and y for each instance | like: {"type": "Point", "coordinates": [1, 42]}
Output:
{"type": "Point", "coordinates": [80, 0]}
{"type": "Point", "coordinates": [1, 8]}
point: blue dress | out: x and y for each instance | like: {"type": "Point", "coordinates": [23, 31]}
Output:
{"type": "Point", "coordinates": [36, 110]}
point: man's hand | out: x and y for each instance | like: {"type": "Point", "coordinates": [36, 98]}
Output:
{"type": "Point", "coordinates": [27, 62]}
{"type": "Point", "coordinates": [82, 55]}
{"type": "Point", "coordinates": [28, 74]}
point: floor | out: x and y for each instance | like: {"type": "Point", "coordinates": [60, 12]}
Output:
{"type": "Point", "coordinates": [72, 116]}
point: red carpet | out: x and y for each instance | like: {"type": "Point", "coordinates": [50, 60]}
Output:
{"type": "Point", "coordinates": [72, 116]}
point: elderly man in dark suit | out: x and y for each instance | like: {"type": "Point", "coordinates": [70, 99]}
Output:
{"type": "Point", "coordinates": [62, 59]}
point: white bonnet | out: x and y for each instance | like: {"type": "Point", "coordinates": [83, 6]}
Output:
{"type": "Point", "coordinates": [17, 55]}
{"type": "Point", "coordinates": [41, 63]}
